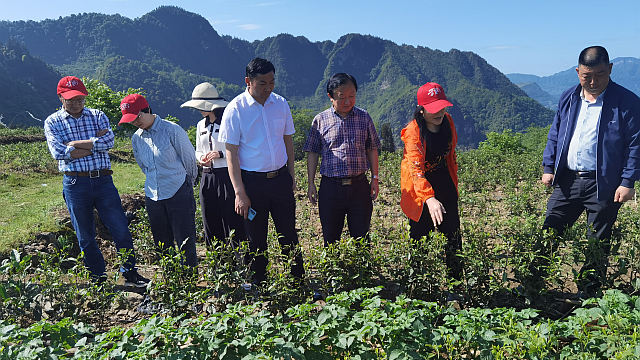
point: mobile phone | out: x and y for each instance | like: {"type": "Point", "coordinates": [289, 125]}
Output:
{"type": "Point", "coordinates": [252, 214]}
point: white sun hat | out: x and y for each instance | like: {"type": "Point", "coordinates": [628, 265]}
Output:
{"type": "Point", "coordinates": [205, 97]}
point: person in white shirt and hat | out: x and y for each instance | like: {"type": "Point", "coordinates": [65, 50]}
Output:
{"type": "Point", "coordinates": [217, 197]}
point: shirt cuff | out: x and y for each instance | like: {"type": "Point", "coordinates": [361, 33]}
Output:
{"type": "Point", "coordinates": [628, 183]}
{"type": "Point", "coordinates": [67, 153]}
{"type": "Point", "coordinates": [549, 169]}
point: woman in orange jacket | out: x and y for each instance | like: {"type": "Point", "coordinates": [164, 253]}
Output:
{"type": "Point", "coordinates": [430, 173]}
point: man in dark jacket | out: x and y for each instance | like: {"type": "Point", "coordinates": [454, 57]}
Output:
{"type": "Point", "coordinates": [593, 149]}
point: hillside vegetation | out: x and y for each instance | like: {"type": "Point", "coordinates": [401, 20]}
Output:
{"type": "Point", "coordinates": [169, 50]}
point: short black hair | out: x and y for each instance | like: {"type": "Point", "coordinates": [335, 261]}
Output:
{"type": "Point", "coordinates": [340, 79]}
{"type": "Point", "coordinates": [147, 110]}
{"type": "Point", "coordinates": [593, 56]}
{"type": "Point", "coordinates": [259, 66]}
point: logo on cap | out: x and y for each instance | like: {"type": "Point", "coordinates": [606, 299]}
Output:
{"type": "Point", "coordinates": [72, 83]}
{"type": "Point", "coordinates": [434, 91]}
{"type": "Point", "coordinates": [124, 106]}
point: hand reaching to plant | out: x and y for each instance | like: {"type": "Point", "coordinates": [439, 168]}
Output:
{"type": "Point", "coordinates": [436, 210]}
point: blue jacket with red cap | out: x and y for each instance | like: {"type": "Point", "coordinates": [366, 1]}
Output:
{"type": "Point", "coordinates": [618, 148]}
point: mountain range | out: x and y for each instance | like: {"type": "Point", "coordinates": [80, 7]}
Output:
{"type": "Point", "coordinates": [169, 50]}
{"type": "Point", "coordinates": [547, 89]}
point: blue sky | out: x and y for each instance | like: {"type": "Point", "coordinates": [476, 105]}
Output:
{"type": "Point", "coordinates": [532, 37]}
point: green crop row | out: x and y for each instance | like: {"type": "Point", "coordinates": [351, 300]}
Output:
{"type": "Point", "coordinates": [352, 325]}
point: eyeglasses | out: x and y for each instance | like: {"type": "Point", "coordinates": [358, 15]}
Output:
{"type": "Point", "coordinates": [74, 102]}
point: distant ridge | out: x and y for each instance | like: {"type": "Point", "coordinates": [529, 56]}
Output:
{"type": "Point", "coordinates": [626, 72]}
{"type": "Point", "coordinates": [169, 50]}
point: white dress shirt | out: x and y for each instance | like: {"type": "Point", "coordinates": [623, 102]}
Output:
{"type": "Point", "coordinates": [207, 140]}
{"type": "Point", "coordinates": [581, 155]}
{"type": "Point", "coordinates": [258, 131]}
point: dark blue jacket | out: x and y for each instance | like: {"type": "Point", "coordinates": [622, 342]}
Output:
{"type": "Point", "coordinates": [618, 149]}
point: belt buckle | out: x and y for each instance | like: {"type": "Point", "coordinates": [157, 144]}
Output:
{"type": "Point", "coordinates": [272, 174]}
{"type": "Point", "coordinates": [346, 181]}
{"type": "Point", "coordinates": [96, 172]}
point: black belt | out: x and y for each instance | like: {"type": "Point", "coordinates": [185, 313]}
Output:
{"type": "Point", "coordinates": [268, 174]}
{"type": "Point", "coordinates": [212, 170]}
{"type": "Point", "coordinates": [585, 174]}
{"type": "Point", "coordinates": [346, 180]}
{"type": "Point", "coordinates": [91, 174]}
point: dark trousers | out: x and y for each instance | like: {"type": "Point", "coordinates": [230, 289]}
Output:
{"type": "Point", "coordinates": [450, 227]}
{"type": "Point", "coordinates": [275, 196]}
{"type": "Point", "coordinates": [82, 194]}
{"type": "Point", "coordinates": [571, 196]}
{"type": "Point", "coordinates": [217, 202]}
{"type": "Point", "coordinates": [173, 222]}
{"type": "Point", "coordinates": [336, 200]}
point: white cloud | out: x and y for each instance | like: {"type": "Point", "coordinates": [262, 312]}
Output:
{"type": "Point", "coordinates": [249, 27]}
{"type": "Point", "coordinates": [267, 4]}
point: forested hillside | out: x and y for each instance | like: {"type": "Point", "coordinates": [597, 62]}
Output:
{"type": "Point", "coordinates": [169, 50]}
{"type": "Point", "coordinates": [27, 86]}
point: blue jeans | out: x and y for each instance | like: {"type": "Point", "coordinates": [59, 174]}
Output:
{"type": "Point", "coordinates": [173, 222]}
{"type": "Point", "coordinates": [82, 194]}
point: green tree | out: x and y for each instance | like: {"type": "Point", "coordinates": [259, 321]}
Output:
{"type": "Point", "coordinates": [302, 119]}
{"type": "Point", "coordinates": [386, 136]}
{"type": "Point", "coordinates": [101, 97]}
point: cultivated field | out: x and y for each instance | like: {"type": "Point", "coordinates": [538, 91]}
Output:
{"type": "Point", "coordinates": [386, 297]}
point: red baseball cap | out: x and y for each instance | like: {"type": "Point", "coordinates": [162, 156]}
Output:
{"type": "Point", "coordinates": [131, 106]}
{"type": "Point", "coordinates": [431, 97]}
{"type": "Point", "coordinates": [71, 86]}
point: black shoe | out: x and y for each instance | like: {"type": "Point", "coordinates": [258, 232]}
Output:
{"type": "Point", "coordinates": [99, 280]}
{"type": "Point", "coordinates": [133, 279]}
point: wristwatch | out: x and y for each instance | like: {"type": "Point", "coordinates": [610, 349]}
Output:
{"type": "Point", "coordinates": [375, 177]}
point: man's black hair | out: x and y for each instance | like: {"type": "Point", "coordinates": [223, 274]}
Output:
{"type": "Point", "coordinates": [147, 110]}
{"type": "Point", "coordinates": [593, 56]}
{"type": "Point", "coordinates": [259, 66]}
{"type": "Point", "coordinates": [340, 79]}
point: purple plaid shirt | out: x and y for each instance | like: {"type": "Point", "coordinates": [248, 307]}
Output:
{"type": "Point", "coordinates": [342, 143]}
{"type": "Point", "coordinates": [60, 127]}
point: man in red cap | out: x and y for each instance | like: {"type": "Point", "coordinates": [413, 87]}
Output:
{"type": "Point", "coordinates": [80, 138]}
{"type": "Point", "coordinates": [166, 157]}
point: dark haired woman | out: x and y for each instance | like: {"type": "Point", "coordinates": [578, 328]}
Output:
{"type": "Point", "coordinates": [430, 173]}
{"type": "Point", "coordinates": [217, 198]}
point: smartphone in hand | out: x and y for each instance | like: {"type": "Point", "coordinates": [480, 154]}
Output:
{"type": "Point", "coordinates": [252, 214]}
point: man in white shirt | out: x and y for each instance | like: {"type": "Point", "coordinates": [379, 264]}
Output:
{"type": "Point", "coordinates": [257, 129]}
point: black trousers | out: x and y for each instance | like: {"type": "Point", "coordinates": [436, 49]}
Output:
{"type": "Point", "coordinates": [217, 202]}
{"type": "Point", "coordinates": [271, 196]}
{"type": "Point", "coordinates": [450, 227]}
{"type": "Point", "coordinates": [336, 200]}
{"type": "Point", "coordinates": [571, 196]}
{"type": "Point", "coordinates": [173, 222]}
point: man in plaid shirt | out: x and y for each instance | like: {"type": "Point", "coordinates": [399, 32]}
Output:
{"type": "Point", "coordinates": [345, 137]}
{"type": "Point", "coordinates": [80, 138]}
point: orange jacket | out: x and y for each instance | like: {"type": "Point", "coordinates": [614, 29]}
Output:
{"type": "Point", "coordinates": [415, 187]}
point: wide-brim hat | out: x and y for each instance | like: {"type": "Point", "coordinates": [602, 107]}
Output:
{"type": "Point", "coordinates": [205, 97]}
{"type": "Point", "coordinates": [431, 96]}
